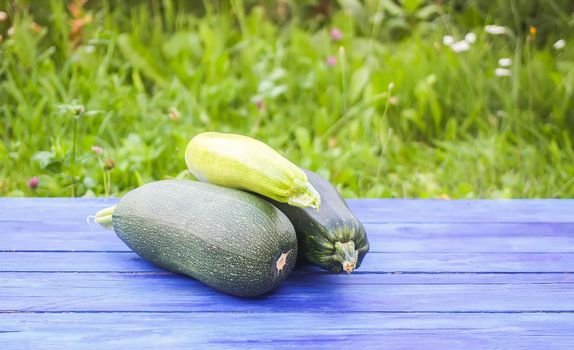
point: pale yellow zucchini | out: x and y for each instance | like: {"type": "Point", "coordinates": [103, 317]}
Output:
{"type": "Point", "coordinates": [242, 162]}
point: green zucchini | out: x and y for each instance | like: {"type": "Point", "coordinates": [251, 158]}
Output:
{"type": "Point", "coordinates": [230, 240]}
{"type": "Point", "coordinates": [331, 237]}
{"type": "Point", "coordinates": [244, 163]}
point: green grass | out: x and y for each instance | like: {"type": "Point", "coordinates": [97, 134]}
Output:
{"type": "Point", "coordinates": [142, 82]}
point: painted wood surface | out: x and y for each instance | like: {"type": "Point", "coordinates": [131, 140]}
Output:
{"type": "Point", "coordinates": [109, 292]}
{"type": "Point", "coordinates": [287, 331]}
{"type": "Point", "coordinates": [367, 210]}
{"type": "Point", "coordinates": [396, 237]}
{"type": "Point", "coordinates": [515, 262]}
{"type": "Point", "coordinates": [440, 275]}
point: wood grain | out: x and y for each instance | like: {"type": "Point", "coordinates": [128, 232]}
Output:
{"type": "Point", "coordinates": [107, 292]}
{"type": "Point", "coordinates": [440, 275]}
{"type": "Point", "coordinates": [367, 210]}
{"type": "Point", "coordinates": [286, 331]}
{"type": "Point", "coordinates": [78, 235]}
{"type": "Point", "coordinates": [527, 262]}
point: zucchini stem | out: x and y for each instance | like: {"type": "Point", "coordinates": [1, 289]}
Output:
{"type": "Point", "coordinates": [347, 255]}
{"type": "Point", "coordinates": [104, 217]}
{"type": "Point", "coordinates": [306, 196]}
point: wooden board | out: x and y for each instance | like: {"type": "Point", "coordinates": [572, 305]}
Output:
{"type": "Point", "coordinates": [392, 237]}
{"type": "Point", "coordinates": [441, 274]}
{"type": "Point", "coordinates": [403, 331]}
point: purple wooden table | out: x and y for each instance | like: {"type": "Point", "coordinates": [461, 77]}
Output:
{"type": "Point", "coordinates": [440, 275]}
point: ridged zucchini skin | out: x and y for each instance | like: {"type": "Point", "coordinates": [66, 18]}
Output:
{"type": "Point", "coordinates": [230, 240]}
{"type": "Point", "coordinates": [331, 237]}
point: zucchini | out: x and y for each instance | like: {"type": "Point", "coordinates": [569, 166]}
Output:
{"type": "Point", "coordinates": [244, 163]}
{"type": "Point", "coordinates": [331, 237]}
{"type": "Point", "coordinates": [230, 240]}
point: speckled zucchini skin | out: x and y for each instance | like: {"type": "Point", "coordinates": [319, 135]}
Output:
{"type": "Point", "coordinates": [228, 239]}
{"type": "Point", "coordinates": [320, 231]}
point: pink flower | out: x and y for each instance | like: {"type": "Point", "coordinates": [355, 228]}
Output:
{"type": "Point", "coordinates": [336, 34]}
{"type": "Point", "coordinates": [331, 61]}
{"type": "Point", "coordinates": [174, 114]}
{"type": "Point", "coordinates": [260, 104]}
{"type": "Point", "coordinates": [3, 16]}
{"type": "Point", "coordinates": [97, 150]}
{"type": "Point", "coordinates": [33, 183]}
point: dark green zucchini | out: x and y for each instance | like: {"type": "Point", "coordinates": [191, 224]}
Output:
{"type": "Point", "coordinates": [331, 237]}
{"type": "Point", "coordinates": [228, 239]}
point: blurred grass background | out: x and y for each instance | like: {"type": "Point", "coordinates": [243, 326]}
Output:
{"type": "Point", "coordinates": [99, 97]}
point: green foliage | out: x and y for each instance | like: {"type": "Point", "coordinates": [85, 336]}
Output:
{"type": "Point", "coordinates": [398, 115]}
{"type": "Point", "coordinates": [550, 17]}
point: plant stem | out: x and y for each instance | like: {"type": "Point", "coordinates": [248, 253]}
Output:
{"type": "Point", "coordinates": [347, 255]}
{"type": "Point", "coordinates": [384, 139]}
{"type": "Point", "coordinates": [73, 160]}
{"type": "Point", "coordinates": [239, 10]}
{"type": "Point", "coordinates": [107, 182]}
{"type": "Point", "coordinates": [343, 85]}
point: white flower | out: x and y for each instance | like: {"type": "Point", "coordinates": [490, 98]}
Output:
{"type": "Point", "coordinates": [495, 30]}
{"type": "Point", "coordinates": [460, 46]}
{"type": "Point", "coordinates": [559, 44]}
{"type": "Point", "coordinates": [502, 72]}
{"type": "Point", "coordinates": [470, 38]}
{"type": "Point", "coordinates": [3, 16]}
{"type": "Point", "coordinates": [447, 40]}
{"type": "Point", "coordinates": [505, 62]}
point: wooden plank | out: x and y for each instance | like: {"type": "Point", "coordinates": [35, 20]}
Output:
{"type": "Point", "coordinates": [74, 262]}
{"type": "Point", "coordinates": [396, 237]}
{"type": "Point", "coordinates": [76, 239]}
{"type": "Point", "coordinates": [286, 331]}
{"type": "Point", "coordinates": [38, 227]}
{"type": "Point", "coordinates": [368, 210]}
{"type": "Point", "coordinates": [471, 237]}
{"type": "Point", "coordinates": [433, 210]}
{"type": "Point", "coordinates": [427, 306]}
{"type": "Point", "coordinates": [75, 292]}
{"type": "Point", "coordinates": [373, 263]}
{"type": "Point", "coordinates": [54, 202]}
{"type": "Point", "coordinates": [313, 276]}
